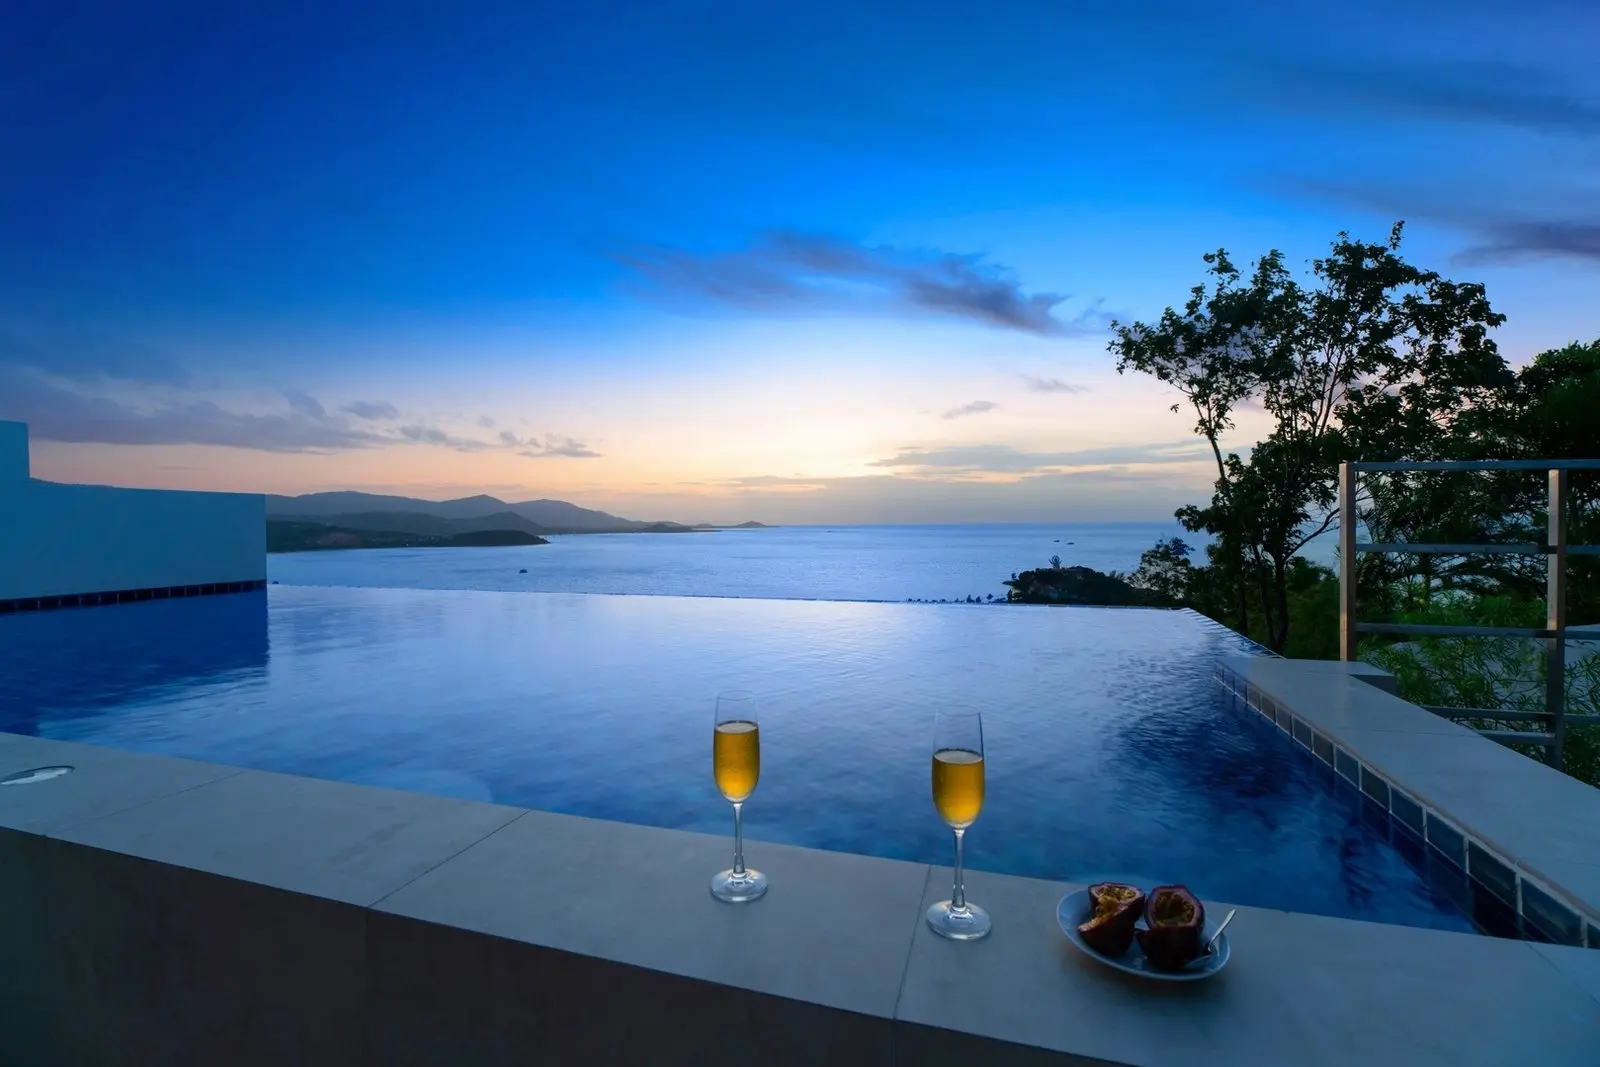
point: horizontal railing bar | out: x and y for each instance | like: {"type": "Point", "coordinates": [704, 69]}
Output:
{"type": "Point", "coordinates": [1507, 715]}
{"type": "Point", "coordinates": [1455, 550]}
{"type": "Point", "coordinates": [1448, 631]}
{"type": "Point", "coordinates": [1514, 737]}
{"type": "Point", "coordinates": [1583, 550]}
{"type": "Point", "coordinates": [1579, 634]}
{"type": "Point", "coordinates": [1501, 715]}
{"type": "Point", "coordinates": [1481, 465]}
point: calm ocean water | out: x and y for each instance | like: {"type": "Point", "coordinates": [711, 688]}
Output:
{"type": "Point", "coordinates": [890, 563]}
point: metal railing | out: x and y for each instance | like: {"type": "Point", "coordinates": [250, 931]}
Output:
{"type": "Point", "coordinates": [1555, 634]}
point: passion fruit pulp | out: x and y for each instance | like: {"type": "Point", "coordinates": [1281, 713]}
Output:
{"type": "Point", "coordinates": [1110, 928]}
{"type": "Point", "coordinates": [1175, 919]}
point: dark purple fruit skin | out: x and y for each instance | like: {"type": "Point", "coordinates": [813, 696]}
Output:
{"type": "Point", "coordinates": [1115, 937]}
{"type": "Point", "coordinates": [1170, 948]}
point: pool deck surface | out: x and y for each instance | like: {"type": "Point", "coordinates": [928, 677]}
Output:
{"type": "Point", "coordinates": [179, 912]}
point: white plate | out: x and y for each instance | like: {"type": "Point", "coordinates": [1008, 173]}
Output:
{"type": "Point", "coordinates": [1075, 909]}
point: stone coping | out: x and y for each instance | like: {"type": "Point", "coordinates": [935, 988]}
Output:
{"type": "Point", "coordinates": [181, 912]}
{"type": "Point", "coordinates": [1523, 831]}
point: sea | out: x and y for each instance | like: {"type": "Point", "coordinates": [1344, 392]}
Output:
{"type": "Point", "coordinates": [875, 563]}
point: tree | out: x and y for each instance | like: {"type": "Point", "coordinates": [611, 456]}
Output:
{"type": "Point", "coordinates": [1165, 573]}
{"type": "Point", "coordinates": [1372, 359]}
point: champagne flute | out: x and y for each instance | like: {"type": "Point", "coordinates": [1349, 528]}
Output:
{"type": "Point", "coordinates": [736, 761]}
{"type": "Point", "coordinates": [958, 794]}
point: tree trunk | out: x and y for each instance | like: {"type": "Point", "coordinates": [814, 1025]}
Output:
{"type": "Point", "coordinates": [1280, 590]}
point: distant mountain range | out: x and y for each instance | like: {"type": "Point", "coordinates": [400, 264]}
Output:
{"type": "Point", "coordinates": [470, 514]}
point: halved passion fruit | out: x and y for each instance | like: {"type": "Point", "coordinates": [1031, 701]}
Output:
{"type": "Point", "coordinates": [1109, 930]}
{"type": "Point", "coordinates": [1175, 919]}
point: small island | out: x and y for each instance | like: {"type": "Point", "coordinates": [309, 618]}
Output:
{"type": "Point", "coordinates": [285, 536]}
{"type": "Point", "coordinates": [1056, 584]}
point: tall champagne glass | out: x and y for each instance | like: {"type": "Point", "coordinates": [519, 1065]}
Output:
{"type": "Point", "coordinates": [958, 795]}
{"type": "Point", "coordinates": [736, 761]}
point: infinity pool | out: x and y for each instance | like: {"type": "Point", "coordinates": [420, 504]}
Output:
{"type": "Point", "coordinates": [1110, 750]}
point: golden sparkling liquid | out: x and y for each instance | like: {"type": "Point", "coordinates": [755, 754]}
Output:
{"type": "Point", "coordinates": [736, 758]}
{"type": "Point", "coordinates": [958, 785]}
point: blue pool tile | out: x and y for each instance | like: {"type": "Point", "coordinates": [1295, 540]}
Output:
{"type": "Point", "coordinates": [1348, 766]}
{"type": "Point", "coordinates": [1374, 786]}
{"type": "Point", "coordinates": [1563, 925]}
{"type": "Point", "coordinates": [1497, 918]}
{"type": "Point", "coordinates": [1492, 873]}
{"type": "Point", "coordinates": [1322, 747]}
{"type": "Point", "coordinates": [1284, 718]}
{"type": "Point", "coordinates": [1447, 840]}
{"type": "Point", "coordinates": [1302, 733]}
{"type": "Point", "coordinates": [1406, 810]}
{"type": "Point", "coordinates": [1594, 935]}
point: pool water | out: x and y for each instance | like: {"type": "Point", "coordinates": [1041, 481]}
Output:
{"type": "Point", "coordinates": [1111, 751]}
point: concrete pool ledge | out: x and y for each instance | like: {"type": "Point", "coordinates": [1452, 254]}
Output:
{"type": "Point", "coordinates": [1521, 830]}
{"type": "Point", "coordinates": [160, 910]}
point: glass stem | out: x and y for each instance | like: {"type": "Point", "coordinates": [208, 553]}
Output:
{"type": "Point", "coordinates": [738, 839]}
{"type": "Point", "coordinates": [958, 895]}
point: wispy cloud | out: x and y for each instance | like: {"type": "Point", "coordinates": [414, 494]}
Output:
{"type": "Point", "coordinates": [79, 352]}
{"type": "Point", "coordinates": [1003, 459]}
{"type": "Point", "coordinates": [59, 413]}
{"type": "Point", "coordinates": [786, 271]}
{"type": "Point", "coordinates": [1497, 93]}
{"type": "Point", "coordinates": [976, 407]}
{"type": "Point", "coordinates": [1052, 385]}
{"type": "Point", "coordinates": [556, 445]}
{"type": "Point", "coordinates": [1509, 240]}
{"type": "Point", "coordinates": [1496, 232]}
{"type": "Point", "coordinates": [58, 410]}
{"type": "Point", "coordinates": [375, 411]}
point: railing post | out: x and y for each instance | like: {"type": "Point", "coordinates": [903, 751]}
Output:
{"type": "Point", "coordinates": [1555, 646]}
{"type": "Point", "coordinates": [1347, 561]}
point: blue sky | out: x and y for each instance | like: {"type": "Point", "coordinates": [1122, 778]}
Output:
{"type": "Point", "coordinates": [826, 262]}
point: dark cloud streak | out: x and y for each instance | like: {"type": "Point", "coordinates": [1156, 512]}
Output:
{"type": "Point", "coordinates": [804, 272]}
{"type": "Point", "coordinates": [375, 411]}
{"type": "Point", "coordinates": [1052, 385]}
{"type": "Point", "coordinates": [976, 407]}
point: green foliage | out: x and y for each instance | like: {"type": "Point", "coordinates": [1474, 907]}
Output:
{"type": "Point", "coordinates": [1372, 357]}
{"type": "Point", "coordinates": [1165, 575]}
{"type": "Point", "coordinates": [1493, 672]}
{"type": "Point", "coordinates": [1072, 585]}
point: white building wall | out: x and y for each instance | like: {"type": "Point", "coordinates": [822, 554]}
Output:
{"type": "Point", "coordinates": [58, 540]}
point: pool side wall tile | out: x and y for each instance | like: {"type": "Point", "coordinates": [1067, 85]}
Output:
{"type": "Point", "coordinates": [1348, 766]}
{"type": "Point", "coordinates": [1554, 919]}
{"type": "Point", "coordinates": [1489, 871]}
{"type": "Point", "coordinates": [1322, 747]}
{"type": "Point", "coordinates": [1406, 810]}
{"type": "Point", "coordinates": [1374, 786]}
{"type": "Point", "coordinates": [1447, 840]}
{"type": "Point", "coordinates": [1302, 733]}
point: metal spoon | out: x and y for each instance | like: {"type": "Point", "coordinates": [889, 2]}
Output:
{"type": "Point", "coordinates": [1218, 934]}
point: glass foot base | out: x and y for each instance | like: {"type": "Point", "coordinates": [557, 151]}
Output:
{"type": "Point", "coordinates": [739, 888]}
{"type": "Point", "coordinates": [968, 924]}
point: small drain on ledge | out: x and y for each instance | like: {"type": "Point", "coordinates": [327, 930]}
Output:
{"type": "Point", "coordinates": [38, 774]}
